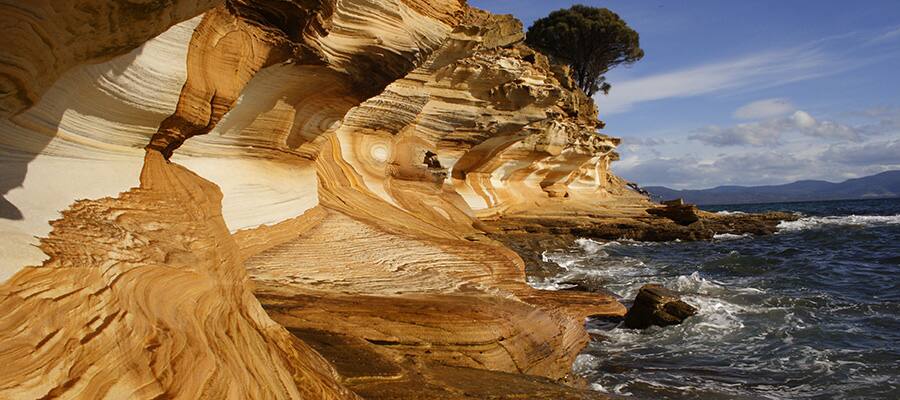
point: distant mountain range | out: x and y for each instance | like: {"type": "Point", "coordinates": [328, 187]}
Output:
{"type": "Point", "coordinates": [883, 185]}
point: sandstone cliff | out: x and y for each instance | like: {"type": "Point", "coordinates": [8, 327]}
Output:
{"type": "Point", "coordinates": [287, 199]}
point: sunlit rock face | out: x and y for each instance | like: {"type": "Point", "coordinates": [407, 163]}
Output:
{"type": "Point", "coordinates": [175, 209]}
{"type": "Point", "coordinates": [501, 128]}
{"type": "Point", "coordinates": [42, 39]}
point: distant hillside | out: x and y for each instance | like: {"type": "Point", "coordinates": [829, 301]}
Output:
{"type": "Point", "coordinates": [883, 185]}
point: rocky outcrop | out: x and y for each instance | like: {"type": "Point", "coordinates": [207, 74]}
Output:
{"type": "Point", "coordinates": [290, 199]}
{"type": "Point", "coordinates": [678, 212]}
{"type": "Point", "coordinates": [626, 216]}
{"type": "Point", "coordinates": [144, 296]}
{"type": "Point", "coordinates": [45, 38]}
{"type": "Point", "coordinates": [272, 173]}
{"type": "Point", "coordinates": [655, 305]}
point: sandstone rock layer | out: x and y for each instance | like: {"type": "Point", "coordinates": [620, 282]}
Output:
{"type": "Point", "coordinates": [239, 199]}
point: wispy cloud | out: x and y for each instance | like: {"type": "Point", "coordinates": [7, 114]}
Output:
{"type": "Point", "coordinates": [891, 34]}
{"type": "Point", "coordinates": [645, 141]}
{"type": "Point", "coordinates": [766, 108]}
{"type": "Point", "coordinates": [755, 71]}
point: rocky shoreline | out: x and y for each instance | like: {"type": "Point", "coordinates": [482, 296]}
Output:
{"type": "Point", "coordinates": [530, 235]}
{"type": "Point", "coordinates": [299, 199]}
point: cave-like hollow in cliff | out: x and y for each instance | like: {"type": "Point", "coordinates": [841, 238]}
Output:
{"type": "Point", "coordinates": [285, 199]}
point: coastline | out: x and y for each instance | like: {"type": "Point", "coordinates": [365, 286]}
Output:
{"type": "Point", "coordinates": [356, 209]}
{"type": "Point", "coordinates": [807, 312]}
{"type": "Point", "coordinates": [529, 234]}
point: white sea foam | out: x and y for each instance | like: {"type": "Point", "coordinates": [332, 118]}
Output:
{"type": "Point", "coordinates": [716, 317]}
{"type": "Point", "coordinates": [591, 246]}
{"type": "Point", "coordinates": [584, 364]}
{"type": "Point", "coordinates": [618, 389]}
{"type": "Point", "coordinates": [549, 284]}
{"type": "Point", "coordinates": [631, 242]}
{"type": "Point", "coordinates": [694, 283]}
{"type": "Point", "coordinates": [859, 220]}
{"type": "Point", "coordinates": [758, 332]}
{"type": "Point", "coordinates": [563, 260]}
{"type": "Point", "coordinates": [598, 388]}
{"type": "Point", "coordinates": [729, 236]}
{"type": "Point", "coordinates": [726, 212]}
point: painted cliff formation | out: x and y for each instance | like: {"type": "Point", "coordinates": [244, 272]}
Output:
{"type": "Point", "coordinates": [287, 199]}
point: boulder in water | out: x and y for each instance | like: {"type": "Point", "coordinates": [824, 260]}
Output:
{"type": "Point", "coordinates": [656, 305]}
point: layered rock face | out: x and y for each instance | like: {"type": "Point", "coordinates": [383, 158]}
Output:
{"type": "Point", "coordinates": [286, 199]}
{"type": "Point", "coordinates": [45, 38]}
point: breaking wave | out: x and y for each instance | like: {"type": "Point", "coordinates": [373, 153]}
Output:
{"type": "Point", "coordinates": [818, 222]}
{"type": "Point", "coordinates": [726, 212]}
{"type": "Point", "coordinates": [730, 236]}
{"type": "Point", "coordinates": [801, 314]}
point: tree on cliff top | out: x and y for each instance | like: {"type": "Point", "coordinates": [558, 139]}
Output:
{"type": "Point", "coordinates": [590, 40]}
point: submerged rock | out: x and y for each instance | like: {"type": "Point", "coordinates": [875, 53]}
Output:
{"type": "Point", "coordinates": [656, 305]}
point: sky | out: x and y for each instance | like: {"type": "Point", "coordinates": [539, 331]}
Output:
{"type": "Point", "coordinates": [750, 92]}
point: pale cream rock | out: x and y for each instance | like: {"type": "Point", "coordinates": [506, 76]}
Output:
{"type": "Point", "coordinates": [318, 166]}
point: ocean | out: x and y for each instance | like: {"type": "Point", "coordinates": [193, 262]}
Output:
{"type": "Point", "coordinates": [812, 312]}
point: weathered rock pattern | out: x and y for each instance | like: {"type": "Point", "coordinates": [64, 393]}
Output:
{"type": "Point", "coordinates": [45, 38]}
{"type": "Point", "coordinates": [290, 199]}
{"type": "Point", "coordinates": [145, 297]}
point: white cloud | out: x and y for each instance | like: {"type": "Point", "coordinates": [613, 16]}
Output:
{"type": "Point", "coordinates": [887, 36]}
{"type": "Point", "coordinates": [644, 141]}
{"type": "Point", "coordinates": [772, 131]}
{"type": "Point", "coordinates": [888, 121]}
{"type": "Point", "coordinates": [754, 168]}
{"type": "Point", "coordinates": [756, 134]}
{"type": "Point", "coordinates": [767, 108]}
{"type": "Point", "coordinates": [805, 155]}
{"type": "Point", "coordinates": [774, 166]}
{"type": "Point", "coordinates": [760, 70]}
{"type": "Point", "coordinates": [803, 120]}
{"type": "Point", "coordinates": [881, 152]}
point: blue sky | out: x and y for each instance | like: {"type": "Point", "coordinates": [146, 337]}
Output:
{"type": "Point", "coordinates": [750, 92]}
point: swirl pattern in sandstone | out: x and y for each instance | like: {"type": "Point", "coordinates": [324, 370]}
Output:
{"type": "Point", "coordinates": [275, 180]}
{"type": "Point", "coordinates": [45, 38]}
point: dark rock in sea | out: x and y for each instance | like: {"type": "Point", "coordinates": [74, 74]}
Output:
{"type": "Point", "coordinates": [530, 236]}
{"type": "Point", "coordinates": [677, 211]}
{"type": "Point", "coordinates": [755, 224]}
{"type": "Point", "coordinates": [530, 246]}
{"type": "Point", "coordinates": [656, 305]}
{"type": "Point", "coordinates": [676, 202]}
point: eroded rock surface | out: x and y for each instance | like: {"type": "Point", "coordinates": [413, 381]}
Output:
{"type": "Point", "coordinates": [243, 199]}
{"type": "Point", "coordinates": [45, 38]}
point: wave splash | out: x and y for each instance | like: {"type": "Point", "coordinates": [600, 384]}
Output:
{"type": "Point", "coordinates": [818, 222]}
{"type": "Point", "coordinates": [730, 236]}
{"type": "Point", "coordinates": [808, 313]}
{"type": "Point", "coordinates": [726, 212]}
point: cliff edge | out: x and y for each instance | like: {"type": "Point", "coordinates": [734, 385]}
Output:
{"type": "Point", "coordinates": [288, 199]}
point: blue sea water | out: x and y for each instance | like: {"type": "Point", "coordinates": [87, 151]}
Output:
{"type": "Point", "coordinates": [810, 312]}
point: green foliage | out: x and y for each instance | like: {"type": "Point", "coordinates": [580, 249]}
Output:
{"type": "Point", "coordinates": [590, 40]}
